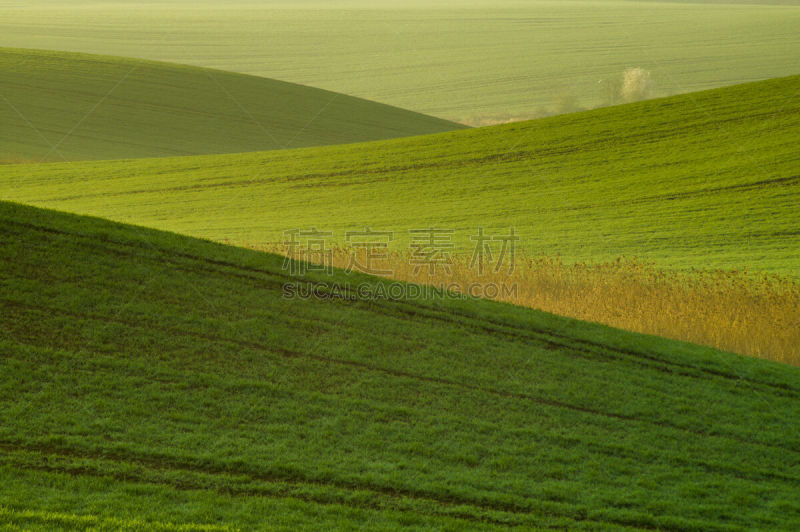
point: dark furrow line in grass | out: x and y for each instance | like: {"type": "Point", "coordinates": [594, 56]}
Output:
{"type": "Point", "coordinates": [552, 340]}
{"type": "Point", "coordinates": [186, 485]}
{"type": "Point", "coordinates": [609, 450]}
{"type": "Point", "coordinates": [638, 201]}
{"type": "Point", "coordinates": [478, 323]}
{"type": "Point", "coordinates": [298, 181]}
{"type": "Point", "coordinates": [555, 340]}
{"type": "Point", "coordinates": [570, 350]}
{"type": "Point", "coordinates": [542, 338]}
{"type": "Point", "coordinates": [95, 242]}
{"type": "Point", "coordinates": [288, 353]}
{"type": "Point", "coordinates": [539, 337]}
{"type": "Point", "coordinates": [450, 503]}
{"type": "Point", "coordinates": [780, 181]}
{"type": "Point", "coordinates": [641, 200]}
{"type": "Point", "coordinates": [168, 463]}
{"type": "Point", "coordinates": [546, 338]}
{"type": "Point", "coordinates": [427, 164]}
{"type": "Point", "coordinates": [595, 350]}
{"type": "Point", "coordinates": [519, 332]}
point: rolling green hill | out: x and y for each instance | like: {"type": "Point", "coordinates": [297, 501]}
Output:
{"type": "Point", "coordinates": [153, 381]}
{"type": "Point", "coordinates": [472, 61]}
{"type": "Point", "coordinates": [57, 105]}
{"type": "Point", "coordinates": [706, 180]}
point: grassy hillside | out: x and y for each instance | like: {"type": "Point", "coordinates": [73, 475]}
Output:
{"type": "Point", "coordinates": [703, 180]}
{"type": "Point", "coordinates": [153, 380]}
{"type": "Point", "coordinates": [466, 60]}
{"type": "Point", "coordinates": [57, 105]}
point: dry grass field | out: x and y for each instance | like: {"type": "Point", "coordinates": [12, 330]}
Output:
{"type": "Point", "coordinates": [737, 311]}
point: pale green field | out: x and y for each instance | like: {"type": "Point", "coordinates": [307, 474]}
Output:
{"type": "Point", "coordinates": [473, 61]}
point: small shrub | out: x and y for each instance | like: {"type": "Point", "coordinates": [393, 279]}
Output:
{"type": "Point", "coordinates": [636, 85]}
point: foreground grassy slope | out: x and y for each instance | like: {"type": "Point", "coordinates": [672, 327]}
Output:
{"type": "Point", "coordinates": [703, 180]}
{"type": "Point", "coordinates": [471, 60]}
{"type": "Point", "coordinates": [150, 378]}
{"type": "Point", "coordinates": [58, 105]}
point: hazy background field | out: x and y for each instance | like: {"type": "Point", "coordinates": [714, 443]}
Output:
{"type": "Point", "coordinates": [476, 62]}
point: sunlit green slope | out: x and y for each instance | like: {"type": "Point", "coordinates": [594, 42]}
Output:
{"type": "Point", "coordinates": [151, 380]}
{"type": "Point", "coordinates": [58, 105]}
{"type": "Point", "coordinates": [709, 179]}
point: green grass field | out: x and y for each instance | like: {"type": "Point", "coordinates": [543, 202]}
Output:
{"type": "Point", "coordinates": [61, 106]}
{"type": "Point", "coordinates": [165, 367]}
{"type": "Point", "coordinates": [154, 381]}
{"type": "Point", "coordinates": [464, 61]}
{"type": "Point", "coordinates": [706, 180]}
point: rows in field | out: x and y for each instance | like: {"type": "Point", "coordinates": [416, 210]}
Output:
{"type": "Point", "coordinates": [707, 180]}
{"type": "Point", "coordinates": [238, 478]}
{"type": "Point", "coordinates": [188, 475]}
{"type": "Point", "coordinates": [205, 341]}
{"type": "Point", "coordinates": [416, 310]}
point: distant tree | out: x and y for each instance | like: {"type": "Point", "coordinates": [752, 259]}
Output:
{"type": "Point", "coordinates": [635, 85]}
